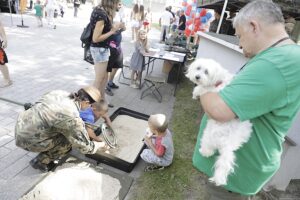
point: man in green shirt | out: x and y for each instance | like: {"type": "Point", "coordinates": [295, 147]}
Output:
{"type": "Point", "coordinates": [266, 92]}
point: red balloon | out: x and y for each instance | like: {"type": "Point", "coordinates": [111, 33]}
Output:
{"type": "Point", "coordinates": [187, 12]}
{"type": "Point", "coordinates": [189, 22]}
{"type": "Point", "coordinates": [193, 15]}
{"type": "Point", "coordinates": [187, 32]}
{"type": "Point", "coordinates": [197, 21]}
{"type": "Point", "coordinates": [203, 12]}
{"type": "Point", "coordinates": [184, 4]}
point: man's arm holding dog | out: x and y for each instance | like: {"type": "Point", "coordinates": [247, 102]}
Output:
{"type": "Point", "coordinates": [216, 108]}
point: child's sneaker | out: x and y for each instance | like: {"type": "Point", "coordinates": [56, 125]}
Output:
{"type": "Point", "coordinates": [151, 168]}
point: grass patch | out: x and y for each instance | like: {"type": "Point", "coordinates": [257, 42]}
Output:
{"type": "Point", "coordinates": [180, 180]}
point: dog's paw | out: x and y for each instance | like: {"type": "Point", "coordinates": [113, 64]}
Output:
{"type": "Point", "coordinates": [195, 97]}
{"type": "Point", "coordinates": [218, 180]}
{"type": "Point", "coordinates": [206, 152]}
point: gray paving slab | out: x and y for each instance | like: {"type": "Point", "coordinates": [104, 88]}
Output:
{"type": "Point", "coordinates": [44, 59]}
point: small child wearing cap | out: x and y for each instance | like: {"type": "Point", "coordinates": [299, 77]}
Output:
{"type": "Point", "coordinates": [92, 114]}
{"type": "Point", "coordinates": [160, 151]}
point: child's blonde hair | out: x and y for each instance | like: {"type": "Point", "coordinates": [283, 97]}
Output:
{"type": "Point", "coordinates": [100, 106]}
{"type": "Point", "coordinates": [159, 122]}
{"type": "Point", "coordinates": [145, 41]}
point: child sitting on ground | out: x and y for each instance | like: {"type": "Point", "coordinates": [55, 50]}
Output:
{"type": "Point", "coordinates": [136, 62]}
{"type": "Point", "coordinates": [92, 114]}
{"type": "Point", "coordinates": [159, 140]}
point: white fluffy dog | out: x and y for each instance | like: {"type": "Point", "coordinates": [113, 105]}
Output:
{"type": "Point", "coordinates": [222, 137]}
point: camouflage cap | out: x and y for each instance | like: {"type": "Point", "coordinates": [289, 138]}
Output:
{"type": "Point", "coordinates": [93, 93]}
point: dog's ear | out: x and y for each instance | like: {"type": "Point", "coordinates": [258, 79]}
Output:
{"type": "Point", "coordinates": [218, 73]}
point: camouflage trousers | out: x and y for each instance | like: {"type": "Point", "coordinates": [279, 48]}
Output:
{"type": "Point", "coordinates": [49, 150]}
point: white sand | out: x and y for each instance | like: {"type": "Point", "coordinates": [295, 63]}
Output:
{"type": "Point", "coordinates": [130, 132]}
{"type": "Point", "coordinates": [76, 182]}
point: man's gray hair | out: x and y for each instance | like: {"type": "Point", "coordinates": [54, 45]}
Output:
{"type": "Point", "coordinates": [263, 10]}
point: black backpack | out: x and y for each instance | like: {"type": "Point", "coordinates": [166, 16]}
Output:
{"type": "Point", "coordinates": [86, 35]}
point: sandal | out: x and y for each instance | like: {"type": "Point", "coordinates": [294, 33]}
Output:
{"type": "Point", "coordinates": [151, 168]}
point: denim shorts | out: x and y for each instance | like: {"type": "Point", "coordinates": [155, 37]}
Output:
{"type": "Point", "coordinates": [100, 54]}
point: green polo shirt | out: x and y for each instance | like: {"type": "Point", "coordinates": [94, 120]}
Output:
{"type": "Point", "coordinates": [266, 92]}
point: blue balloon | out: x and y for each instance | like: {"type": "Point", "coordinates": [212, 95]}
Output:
{"type": "Point", "coordinates": [208, 15]}
{"type": "Point", "coordinates": [198, 10]}
{"type": "Point", "coordinates": [184, 9]}
{"type": "Point", "coordinates": [204, 19]}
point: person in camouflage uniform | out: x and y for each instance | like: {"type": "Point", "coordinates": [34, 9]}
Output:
{"type": "Point", "coordinates": [52, 126]}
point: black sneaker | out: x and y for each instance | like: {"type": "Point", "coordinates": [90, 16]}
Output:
{"type": "Point", "coordinates": [109, 92]}
{"type": "Point", "coordinates": [113, 86]}
{"type": "Point", "coordinates": [110, 105]}
{"type": "Point", "coordinates": [36, 164]}
{"type": "Point", "coordinates": [151, 168]}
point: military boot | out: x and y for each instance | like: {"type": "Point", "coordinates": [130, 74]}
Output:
{"type": "Point", "coordinates": [36, 164]}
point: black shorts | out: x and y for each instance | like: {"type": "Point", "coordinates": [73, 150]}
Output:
{"type": "Point", "coordinates": [115, 59]}
{"type": "Point", "coordinates": [3, 57]}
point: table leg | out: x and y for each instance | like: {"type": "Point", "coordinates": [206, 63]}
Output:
{"type": "Point", "coordinates": [177, 79]}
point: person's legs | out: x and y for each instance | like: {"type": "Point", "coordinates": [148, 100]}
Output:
{"type": "Point", "coordinates": [167, 31]}
{"type": "Point", "coordinates": [133, 80]}
{"type": "Point", "coordinates": [162, 30]}
{"type": "Point", "coordinates": [5, 73]}
{"type": "Point", "coordinates": [111, 83]}
{"type": "Point", "coordinates": [100, 77]}
{"type": "Point", "coordinates": [75, 11]}
{"type": "Point", "coordinates": [118, 63]}
{"type": "Point", "coordinates": [219, 193]}
{"type": "Point", "coordinates": [60, 146]}
{"type": "Point", "coordinates": [101, 57]}
{"type": "Point", "coordinates": [50, 152]}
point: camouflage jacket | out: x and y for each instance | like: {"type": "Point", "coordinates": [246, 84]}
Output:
{"type": "Point", "coordinates": [55, 113]}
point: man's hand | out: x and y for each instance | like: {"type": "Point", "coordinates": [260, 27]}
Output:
{"type": "Point", "coordinates": [98, 145]}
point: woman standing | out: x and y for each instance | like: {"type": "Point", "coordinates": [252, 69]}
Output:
{"type": "Point", "coordinates": [3, 58]}
{"type": "Point", "coordinates": [101, 21]}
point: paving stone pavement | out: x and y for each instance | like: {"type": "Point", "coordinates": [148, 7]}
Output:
{"type": "Point", "coordinates": [45, 59]}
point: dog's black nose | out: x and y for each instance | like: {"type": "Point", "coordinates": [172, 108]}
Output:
{"type": "Point", "coordinates": [197, 77]}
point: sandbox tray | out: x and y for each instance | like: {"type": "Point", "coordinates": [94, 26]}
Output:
{"type": "Point", "coordinates": [114, 161]}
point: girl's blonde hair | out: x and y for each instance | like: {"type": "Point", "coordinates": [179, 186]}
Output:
{"type": "Point", "coordinates": [145, 41]}
{"type": "Point", "coordinates": [110, 7]}
{"type": "Point", "coordinates": [159, 122]}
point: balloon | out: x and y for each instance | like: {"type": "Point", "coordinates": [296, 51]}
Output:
{"type": "Point", "coordinates": [204, 19]}
{"type": "Point", "coordinates": [188, 12]}
{"type": "Point", "coordinates": [187, 32]}
{"type": "Point", "coordinates": [194, 6]}
{"type": "Point", "coordinates": [203, 12]}
{"type": "Point", "coordinates": [184, 4]}
{"type": "Point", "coordinates": [189, 22]}
{"type": "Point", "coordinates": [208, 15]}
